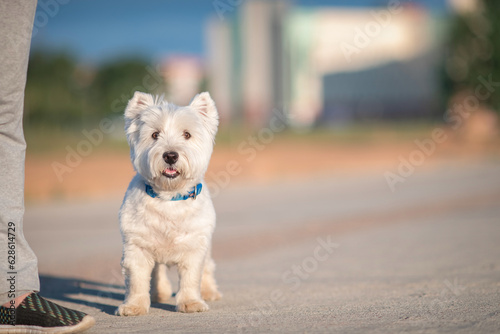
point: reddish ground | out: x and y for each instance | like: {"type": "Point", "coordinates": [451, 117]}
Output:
{"type": "Point", "coordinates": [107, 172]}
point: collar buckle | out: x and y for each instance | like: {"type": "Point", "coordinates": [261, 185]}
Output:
{"type": "Point", "coordinates": [193, 194]}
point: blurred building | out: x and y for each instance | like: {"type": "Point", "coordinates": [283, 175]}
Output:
{"type": "Point", "coordinates": [325, 64]}
{"type": "Point", "coordinates": [247, 61]}
{"type": "Point", "coordinates": [183, 75]}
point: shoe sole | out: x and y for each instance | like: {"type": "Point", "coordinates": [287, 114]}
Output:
{"type": "Point", "coordinates": [83, 325]}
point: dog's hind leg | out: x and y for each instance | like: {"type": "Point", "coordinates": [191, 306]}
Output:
{"type": "Point", "coordinates": [209, 291]}
{"type": "Point", "coordinates": [161, 289]}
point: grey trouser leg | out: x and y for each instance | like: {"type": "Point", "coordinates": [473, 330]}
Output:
{"type": "Point", "coordinates": [16, 24]}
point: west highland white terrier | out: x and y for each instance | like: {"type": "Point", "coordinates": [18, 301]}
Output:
{"type": "Point", "coordinates": [167, 217]}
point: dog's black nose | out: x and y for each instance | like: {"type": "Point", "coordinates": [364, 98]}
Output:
{"type": "Point", "coordinates": [170, 157]}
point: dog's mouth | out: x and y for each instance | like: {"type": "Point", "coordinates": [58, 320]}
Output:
{"type": "Point", "coordinates": [170, 172]}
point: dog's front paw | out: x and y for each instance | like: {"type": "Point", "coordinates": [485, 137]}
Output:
{"type": "Point", "coordinates": [131, 310]}
{"type": "Point", "coordinates": [192, 306]}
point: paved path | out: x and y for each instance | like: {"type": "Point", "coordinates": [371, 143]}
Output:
{"type": "Point", "coordinates": [334, 254]}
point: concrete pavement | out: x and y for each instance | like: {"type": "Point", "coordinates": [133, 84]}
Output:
{"type": "Point", "coordinates": [338, 253]}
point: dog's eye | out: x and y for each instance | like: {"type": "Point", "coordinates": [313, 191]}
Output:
{"type": "Point", "coordinates": [186, 135]}
{"type": "Point", "coordinates": [155, 135]}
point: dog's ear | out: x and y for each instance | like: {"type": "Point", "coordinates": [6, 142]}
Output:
{"type": "Point", "coordinates": [138, 103]}
{"type": "Point", "coordinates": [204, 104]}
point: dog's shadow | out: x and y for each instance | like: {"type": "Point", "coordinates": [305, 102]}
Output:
{"type": "Point", "coordinates": [89, 293]}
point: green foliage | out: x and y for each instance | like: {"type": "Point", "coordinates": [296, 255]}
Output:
{"type": "Point", "coordinates": [52, 96]}
{"type": "Point", "coordinates": [61, 94]}
{"type": "Point", "coordinates": [474, 51]}
{"type": "Point", "coordinates": [115, 84]}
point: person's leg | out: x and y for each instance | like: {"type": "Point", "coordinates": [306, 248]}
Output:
{"type": "Point", "coordinates": [18, 263]}
{"type": "Point", "coordinates": [22, 310]}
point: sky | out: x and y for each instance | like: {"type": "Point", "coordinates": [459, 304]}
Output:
{"type": "Point", "coordinates": [100, 31]}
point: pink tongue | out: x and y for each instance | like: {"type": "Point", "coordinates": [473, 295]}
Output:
{"type": "Point", "coordinates": [170, 171]}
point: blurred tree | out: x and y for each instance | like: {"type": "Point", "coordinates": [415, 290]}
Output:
{"type": "Point", "coordinates": [52, 97]}
{"type": "Point", "coordinates": [115, 84]}
{"type": "Point", "coordinates": [61, 93]}
{"type": "Point", "coordinates": [474, 52]}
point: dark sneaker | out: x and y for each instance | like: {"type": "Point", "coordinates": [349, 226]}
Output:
{"type": "Point", "coordinates": [37, 315]}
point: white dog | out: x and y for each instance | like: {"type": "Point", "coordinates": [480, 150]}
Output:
{"type": "Point", "coordinates": [167, 216]}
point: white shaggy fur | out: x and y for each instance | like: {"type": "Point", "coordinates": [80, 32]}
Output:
{"type": "Point", "coordinates": [157, 232]}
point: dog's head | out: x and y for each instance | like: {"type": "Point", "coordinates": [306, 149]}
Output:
{"type": "Point", "coordinates": [170, 146]}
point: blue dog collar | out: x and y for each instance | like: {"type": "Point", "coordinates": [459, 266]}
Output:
{"type": "Point", "coordinates": [191, 194]}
